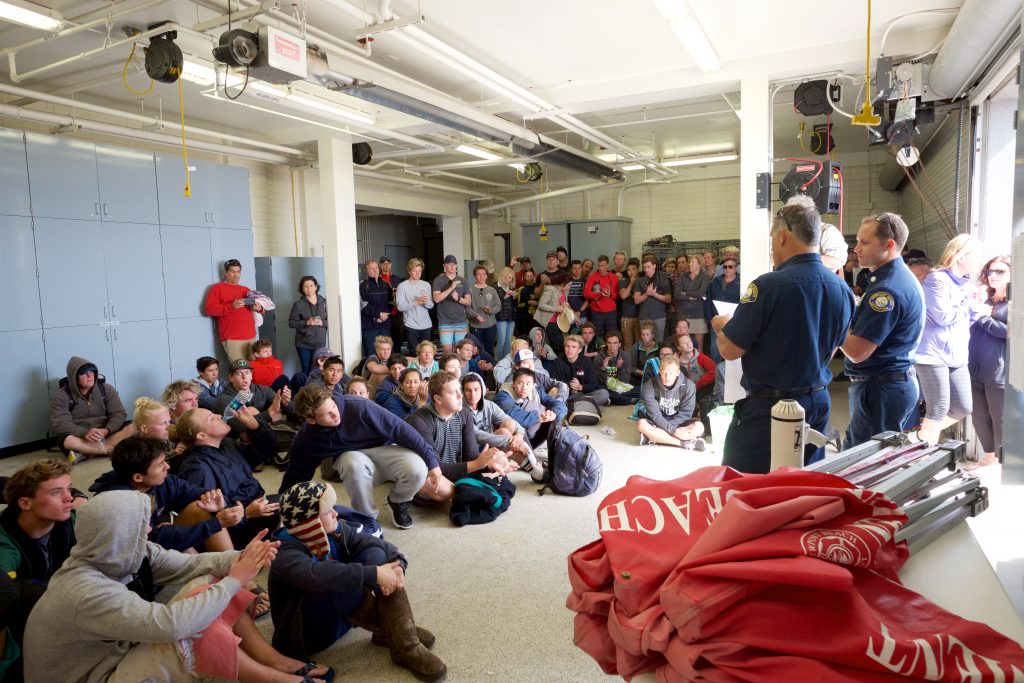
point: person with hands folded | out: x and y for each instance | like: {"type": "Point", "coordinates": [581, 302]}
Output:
{"type": "Point", "coordinates": [98, 620]}
{"type": "Point", "coordinates": [328, 577]}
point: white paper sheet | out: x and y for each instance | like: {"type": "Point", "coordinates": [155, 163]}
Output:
{"type": "Point", "coordinates": [724, 307]}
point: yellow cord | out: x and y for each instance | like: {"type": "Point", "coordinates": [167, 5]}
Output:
{"type": "Point", "coordinates": [867, 117]}
{"type": "Point", "coordinates": [184, 145]}
{"type": "Point", "coordinates": [124, 76]}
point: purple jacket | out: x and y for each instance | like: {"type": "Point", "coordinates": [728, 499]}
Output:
{"type": "Point", "coordinates": [949, 313]}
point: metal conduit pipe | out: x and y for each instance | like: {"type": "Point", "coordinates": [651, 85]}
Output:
{"type": "Point", "coordinates": [496, 208]}
{"type": "Point", "coordinates": [25, 114]}
{"type": "Point", "coordinates": [978, 33]}
{"type": "Point", "coordinates": [419, 183]}
{"type": "Point", "coordinates": [138, 118]}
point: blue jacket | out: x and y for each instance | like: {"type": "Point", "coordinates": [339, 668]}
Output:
{"type": "Point", "coordinates": [987, 348]}
{"type": "Point", "coordinates": [375, 298]}
{"type": "Point", "coordinates": [224, 468]}
{"type": "Point", "coordinates": [364, 424]}
{"type": "Point", "coordinates": [720, 290]}
{"type": "Point", "coordinates": [396, 405]}
{"type": "Point", "coordinates": [384, 390]}
{"type": "Point", "coordinates": [174, 495]}
{"type": "Point", "coordinates": [527, 411]}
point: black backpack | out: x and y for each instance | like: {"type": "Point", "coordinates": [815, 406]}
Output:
{"type": "Point", "coordinates": [574, 467]}
{"type": "Point", "coordinates": [583, 412]}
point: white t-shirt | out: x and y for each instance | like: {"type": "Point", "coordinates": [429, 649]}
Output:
{"type": "Point", "coordinates": [832, 243]}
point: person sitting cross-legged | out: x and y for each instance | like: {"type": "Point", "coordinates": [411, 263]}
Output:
{"type": "Point", "coordinates": [361, 444]}
{"type": "Point", "coordinates": [269, 405]}
{"type": "Point", "coordinates": [86, 413]}
{"type": "Point", "coordinates": [408, 397]}
{"type": "Point", "coordinates": [578, 372]}
{"type": "Point", "coordinates": [396, 364]}
{"type": "Point", "coordinates": [209, 381]}
{"type": "Point", "coordinates": [98, 620]}
{"type": "Point", "coordinates": [669, 400]}
{"type": "Point", "coordinates": [533, 410]}
{"type": "Point", "coordinates": [267, 370]}
{"type": "Point", "coordinates": [447, 423]}
{"type": "Point", "coordinates": [495, 428]}
{"type": "Point", "coordinates": [328, 576]}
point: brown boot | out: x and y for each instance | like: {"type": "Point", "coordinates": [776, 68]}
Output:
{"type": "Point", "coordinates": [406, 648]}
{"type": "Point", "coordinates": [367, 616]}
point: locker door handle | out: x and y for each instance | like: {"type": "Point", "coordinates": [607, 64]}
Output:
{"type": "Point", "coordinates": [96, 208]}
{"type": "Point", "coordinates": [105, 313]}
{"type": "Point", "coordinates": [115, 334]}
{"type": "Point", "coordinates": [213, 217]}
{"type": "Point", "coordinates": [113, 311]}
{"type": "Point", "coordinates": [106, 210]}
{"type": "Point", "coordinates": [206, 216]}
{"type": "Point", "coordinates": [106, 332]}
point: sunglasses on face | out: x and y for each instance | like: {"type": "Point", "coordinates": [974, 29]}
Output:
{"type": "Point", "coordinates": [996, 272]}
{"type": "Point", "coordinates": [729, 267]}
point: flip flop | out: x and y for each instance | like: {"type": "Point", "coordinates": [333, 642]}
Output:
{"type": "Point", "coordinates": [261, 605]}
{"type": "Point", "coordinates": [327, 677]}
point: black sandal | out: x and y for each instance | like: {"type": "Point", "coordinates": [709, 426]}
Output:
{"type": "Point", "coordinates": [327, 677]}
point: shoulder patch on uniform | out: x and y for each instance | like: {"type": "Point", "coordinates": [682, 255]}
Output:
{"type": "Point", "coordinates": [881, 302]}
{"type": "Point", "coordinates": [749, 296]}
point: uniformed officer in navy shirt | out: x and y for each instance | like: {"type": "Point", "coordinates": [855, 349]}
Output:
{"type": "Point", "coordinates": [880, 348]}
{"type": "Point", "coordinates": [786, 329]}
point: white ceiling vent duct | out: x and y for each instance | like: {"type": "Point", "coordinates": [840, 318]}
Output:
{"type": "Point", "coordinates": [980, 31]}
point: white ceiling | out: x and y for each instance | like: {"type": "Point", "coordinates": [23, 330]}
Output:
{"type": "Point", "coordinates": [613, 64]}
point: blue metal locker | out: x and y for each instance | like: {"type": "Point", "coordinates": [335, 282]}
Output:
{"type": "Point", "coordinates": [62, 177]}
{"type": "Point", "coordinates": [26, 416]}
{"type": "Point", "coordinates": [127, 181]}
{"type": "Point", "coordinates": [14, 197]}
{"type": "Point", "coordinates": [186, 269]}
{"type": "Point", "coordinates": [72, 286]}
{"type": "Point", "coordinates": [19, 287]}
{"type": "Point", "coordinates": [135, 286]}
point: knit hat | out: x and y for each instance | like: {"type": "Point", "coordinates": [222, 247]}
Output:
{"type": "Point", "coordinates": [301, 507]}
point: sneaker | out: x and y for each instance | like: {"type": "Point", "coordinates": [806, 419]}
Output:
{"type": "Point", "coordinates": [697, 444]}
{"type": "Point", "coordinates": [75, 457]}
{"type": "Point", "coordinates": [541, 452]}
{"type": "Point", "coordinates": [400, 513]}
{"type": "Point", "coordinates": [537, 474]}
{"type": "Point", "coordinates": [644, 441]}
{"type": "Point", "coordinates": [422, 501]}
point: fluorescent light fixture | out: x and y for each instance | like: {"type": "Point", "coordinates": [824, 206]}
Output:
{"type": "Point", "coordinates": [690, 33]}
{"type": "Point", "coordinates": [478, 153]}
{"type": "Point", "coordinates": [204, 75]}
{"type": "Point", "coordinates": [31, 15]}
{"type": "Point", "coordinates": [330, 108]}
{"type": "Point", "coordinates": [689, 161]}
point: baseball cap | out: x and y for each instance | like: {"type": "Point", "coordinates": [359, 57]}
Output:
{"type": "Point", "coordinates": [87, 367]}
{"type": "Point", "coordinates": [240, 364]}
{"type": "Point", "coordinates": [521, 355]}
{"type": "Point", "coordinates": [384, 259]}
{"type": "Point", "coordinates": [524, 259]}
{"type": "Point", "coordinates": [322, 352]}
{"type": "Point", "coordinates": [450, 258]}
{"type": "Point", "coordinates": [552, 254]}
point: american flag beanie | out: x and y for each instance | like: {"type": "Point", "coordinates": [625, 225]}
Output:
{"type": "Point", "coordinates": [301, 507]}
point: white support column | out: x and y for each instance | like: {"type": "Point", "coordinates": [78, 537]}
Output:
{"type": "Point", "coordinates": [456, 239]}
{"type": "Point", "coordinates": [755, 157]}
{"type": "Point", "coordinates": [341, 267]}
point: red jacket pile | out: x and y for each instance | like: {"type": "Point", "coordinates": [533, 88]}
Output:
{"type": "Point", "coordinates": [720, 576]}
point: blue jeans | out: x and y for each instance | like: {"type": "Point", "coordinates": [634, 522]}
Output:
{"type": "Point", "coordinates": [877, 407]}
{"type": "Point", "coordinates": [323, 614]}
{"type": "Point", "coordinates": [487, 337]}
{"type": "Point", "coordinates": [505, 328]}
{"type": "Point", "coordinates": [748, 442]}
{"type": "Point", "coordinates": [305, 358]}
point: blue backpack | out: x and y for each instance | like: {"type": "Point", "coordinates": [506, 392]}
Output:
{"type": "Point", "coordinates": [574, 467]}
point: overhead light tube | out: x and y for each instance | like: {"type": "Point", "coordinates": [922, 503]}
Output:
{"type": "Point", "coordinates": [690, 33]}
{"type": "Point", "coordinates": [31, 15]}
{"type": "Point", "coordinates": [477, 152]}
{"type": "Point", "coordinates": [689, 161]}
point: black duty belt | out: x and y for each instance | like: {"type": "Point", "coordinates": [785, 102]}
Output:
{"type": "Point", "coordinates": [784, 393]}
{"type": "Point", "coordinates": [885, 377]}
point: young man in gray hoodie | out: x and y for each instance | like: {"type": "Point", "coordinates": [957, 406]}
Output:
{"type": "Point", "coordinates": [669, 399]}
{"type": "Point", "coordinates": [86, 413]}
{"type": "Point", "coordinates": [98, 621]}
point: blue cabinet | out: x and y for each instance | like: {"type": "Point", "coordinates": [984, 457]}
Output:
{"type": "Point", "coordinates": [198, 209]}
{"type": "Point", "coordinates": [190, 339]}
{"type": "Point", "coordinates": [233, 244]}
{"type": "Point", "coordinates": [26, 414]}
{"type": "Point", "coordinates": [233, 210]}
{"type": "Point", "coordinates": [62, 177]}
{"type": "Point", "coordinates": [142, 361]}
{"type": "Point", "coordinates": [72, 286]}
{"type": "Point", "coordinates": [127, 185]}
{"type": "Point", "coordinates": [19, 287]}
{"type": "Point", "coordinates": [135, 284]}
{"type": "Point", "coordinates": [188, 272]}
{"type": "Point", "coordinates": [14, 197]}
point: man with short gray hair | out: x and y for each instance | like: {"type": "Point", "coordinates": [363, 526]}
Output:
{"type": "Point", "coordinates": [375, 306]}
{"type": "Point", "coordinates": [786, 329]}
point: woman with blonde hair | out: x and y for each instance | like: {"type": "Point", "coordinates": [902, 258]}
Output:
{"type": "Point", "coordinates": [942, 352]}
{"type": "Point", "coordinates": [151, 418]}
{"type": "Point", "coordinates": [506, 288]}
{"type": "Point", "coordinates": [986, 360]}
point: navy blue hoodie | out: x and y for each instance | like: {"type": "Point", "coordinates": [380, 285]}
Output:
{"type": "Point", "coordinates": [364, 424]}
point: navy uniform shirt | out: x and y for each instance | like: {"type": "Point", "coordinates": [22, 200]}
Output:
{"type": "Point", "coordinates": [651, 308]}
{"type": "Point", "coordinates": [891, 315]}
{"type": "Point", "coordinates": [790, 322]}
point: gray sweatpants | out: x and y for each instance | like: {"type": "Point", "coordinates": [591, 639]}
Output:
{"type": "Point", "coordinates": [360, 471]}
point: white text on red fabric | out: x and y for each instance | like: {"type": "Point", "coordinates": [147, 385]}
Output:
{"type": "Point", "coordinates": [928, 659]}
{"type": "Point", "coordinates": [648, 515]}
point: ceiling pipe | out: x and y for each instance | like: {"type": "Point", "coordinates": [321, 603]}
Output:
{"type": "Point", "coordinates": [138, 118]}
{"type": "Point", "coordinates": [35, 116]}
{"type": "Point", "coordinates": [497, 208]}
{"type": "Point", "coordinates": [980, 30]}
{"type": "Point", "coordinates": [419, 183]}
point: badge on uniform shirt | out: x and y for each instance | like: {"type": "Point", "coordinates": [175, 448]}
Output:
{"type": "Point", "coordinates": [749, 296]}
{"type": "Point", "coordinates": [881, 302]}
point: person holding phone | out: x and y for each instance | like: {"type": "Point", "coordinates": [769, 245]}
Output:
{"type": "Point", "coordinates": [308, 318]}
{"type": "Point", "coordinates": [231, 306]}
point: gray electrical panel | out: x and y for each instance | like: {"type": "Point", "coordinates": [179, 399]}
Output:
{"type": "Point", "coordinates": [582, 238]}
